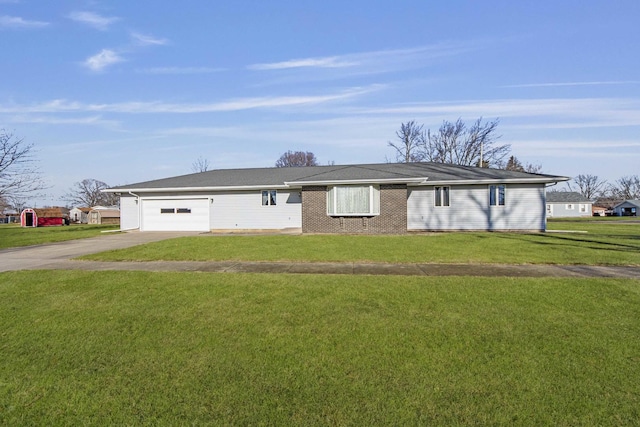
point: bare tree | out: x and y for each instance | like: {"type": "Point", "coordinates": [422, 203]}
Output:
{"type": "Point", "coordinates": [590, 186]}
{"type": "Point", "coordinates": [19, 176]}
{"type": "Point", "coordinates": [411, 138]}
{"type": "Point", "coordinates": [627, 188]}
{"type": "Point", "coordinates": [88, 192]}
{"type": "Point", "coordinates": [457, 144]}
{"type": "Point", "coordinates": [200, 165]}
{"type": "Point", "coordinates": [296, 159]}
{"type": "Point", "coordinates": [513, 164]}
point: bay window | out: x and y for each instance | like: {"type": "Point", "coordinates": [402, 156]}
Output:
{"type": "Point", "coordinates": [353, 200]}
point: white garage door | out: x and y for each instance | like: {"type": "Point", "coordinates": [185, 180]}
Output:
{"type": "Point", "coordinates": [175, 215]}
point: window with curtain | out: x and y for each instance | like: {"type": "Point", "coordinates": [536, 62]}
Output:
{"type": "Point", "coordinates": [353, 200]}
{"type": "Point", "coordinates": [497, 195]}
{"type": "Point", "coordinates": [441, 196]}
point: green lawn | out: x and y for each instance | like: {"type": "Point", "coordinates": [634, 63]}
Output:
{"type": "Point", "coordinates": [13, 235]}
{"type": "Point", "coordinates": [135, 348]}
{"type": "Point", "coordinates": [605, 243]}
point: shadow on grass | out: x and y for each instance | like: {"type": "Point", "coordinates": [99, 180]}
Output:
{"type": "Point", "coordinates": [577, 241]}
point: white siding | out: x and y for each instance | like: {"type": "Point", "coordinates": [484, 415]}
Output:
{"type": "Point", "coordinates": [243, 210]}
{"type": "Point", "coordinates": [469, 209]}
{"type": "Point", "coordinates": [194, 215]}
{"type": "Point", "coordinates": [129, 216]}
{"type": "Point", "coordinates": [560, 210]}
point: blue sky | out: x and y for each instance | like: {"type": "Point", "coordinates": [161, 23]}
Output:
{"type": "Point", "coordinates": [128, 91]}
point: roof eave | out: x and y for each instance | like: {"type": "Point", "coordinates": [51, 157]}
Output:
{"type": "Point", "coordinates": [415, 181]}
{"type": "Point", "coordinates": [193, 189]}
{"type": "Point", "coordinates": [540, 180]}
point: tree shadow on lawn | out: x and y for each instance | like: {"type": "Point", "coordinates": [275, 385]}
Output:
{"type": "Point", "coordinates": [578, 242]}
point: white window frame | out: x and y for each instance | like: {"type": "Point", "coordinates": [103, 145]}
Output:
{"type": "Point", "coordinates": [583, 208]}
{"type": "Point", "coordinates": [374, 201]}
{"type": "Point", "coordinates": [271, 197]}
{"type": "Point", "coordinates": [494, 195]}
{"type": "Point", "coordinates": [569, 206]}
{"type": "Point", "coordinates": [442, 196]}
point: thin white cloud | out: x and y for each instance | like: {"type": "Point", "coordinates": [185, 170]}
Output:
{"type": "Point", "coordinates": [102, 60]}
{"type": "Point", "coordinates": [180, 70]}
{"type": "Point", "coordinates": [146, 40]}
{"type": "Point", "coordinates": [329, 62]}
{"type": "Point", "coordinates": [62, 106]}
{"type": "Point", "coordinates": [55, 120]}
{"type": "Point", "coordinates": [374, 61]}
{"type": "Point", "coordinates": [94, 20]}
{"type": "Point", "coordinates": [579, 112]}
{"type": "Point", "coordinates": [561, 84]}
{"type": "Point", "coordinates": [18, 22]}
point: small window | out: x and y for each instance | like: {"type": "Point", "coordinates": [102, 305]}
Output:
{"type": "Point", "coordinates": [441, 196]}
{"type": "Point", "coordinates": [497, 195]}
{"type": "Point", "coordinates": [569, 207]}
{"type": "Point", "coordinates": [583, 208]}
{"type": "Point", "coordinates": [184, 210]}
{"type": "Point", "coordinates": [167, 210]}
{"type": "Point", "coordinates": [269, 197]}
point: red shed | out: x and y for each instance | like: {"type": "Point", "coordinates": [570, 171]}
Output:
{"type": "Point", "coordinates": [44, 217]}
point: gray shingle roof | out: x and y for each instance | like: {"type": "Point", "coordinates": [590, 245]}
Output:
{"type": "Point", "coordinates": [635, 203]}
{"type": "Point", "coordinates": [566, 197]}
{"type": "Point", "coordinates": [299, 176]}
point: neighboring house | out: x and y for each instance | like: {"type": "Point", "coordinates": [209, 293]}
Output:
{"type": "Point", "coordinates": [79, 215]}
{"type": "Point", "coordinates": [9, 217]}
{"type": "Point", "coordinates": [562, 204]}
{"type": "Point", "coordinates": [103, 215]}
{"type": "Point", "coordinates": [627, 208]}
{"type": "Point", "coordinates": [44, 217]}
{"type": "Point", "coordinates": [598, 211]}
{"type": "Point", "coordinates": [374, 198]}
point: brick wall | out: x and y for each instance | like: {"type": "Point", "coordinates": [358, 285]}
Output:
{"type": "Point", "coordinates": [392, 218]}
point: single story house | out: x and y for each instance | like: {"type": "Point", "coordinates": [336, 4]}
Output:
{"type": "Point", "coordinates": [567, 204]}
{"type": "Point", "coordinates": [598, 211]}
{"type": "Point", "coordinates": [44, 217]}
{"type": "Point", "coordinates": [79, 215]}
{"type": "Point", "coordinates": [103, 215]}
{"type": "Point", "coordinates": [9, 217]}
{"type": "Point", "coordinates": [627, 208]}
{"type": "Point", "coordinates": [368, 198]}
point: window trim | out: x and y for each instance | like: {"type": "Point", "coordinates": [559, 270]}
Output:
{"type": "Point", "coordinates": [374, 201]}
{"type": "Point", "coordinates": [442, 196]}
{"type": "Point", "coordinates": [271, 197]}
{"type": "Point", "coordinates": [494, 195]}
{"type": "Point", "coordinates": [570, 206]}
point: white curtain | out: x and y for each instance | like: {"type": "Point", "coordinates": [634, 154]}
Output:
{"type": "Point", "coordinates": [352, 200]}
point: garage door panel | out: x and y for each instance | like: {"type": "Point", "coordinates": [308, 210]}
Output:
{"type": "Point", "coordinates": [175, 215]}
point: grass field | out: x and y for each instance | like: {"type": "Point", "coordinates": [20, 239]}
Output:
{"type": "Point", "coordinates": [12, 235]}
{"type": "Point", "coordinates": [134, 348]}
{"type": "Point", "coordinates": [604, 243]}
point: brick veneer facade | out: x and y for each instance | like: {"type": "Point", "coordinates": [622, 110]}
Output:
{"type": "Point", "coordinates": [391, 220]}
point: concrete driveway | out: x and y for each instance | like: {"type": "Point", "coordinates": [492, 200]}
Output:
{"type": "Point", "coordinates": [52, 254]}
